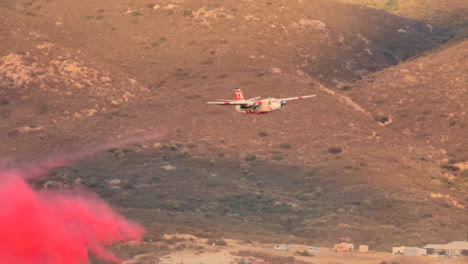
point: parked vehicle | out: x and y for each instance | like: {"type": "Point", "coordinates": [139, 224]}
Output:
{"type": "Point", "coordinates": [282, 247]}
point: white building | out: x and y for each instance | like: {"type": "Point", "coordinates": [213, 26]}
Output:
{"type": "Point", "coordinates": [451, 249]}
{"type": "Point", "coordinates": [363, 248]}
{"type": "Point", "coordinates": [410, 251]}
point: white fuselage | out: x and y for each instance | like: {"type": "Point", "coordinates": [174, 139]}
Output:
{"type": "Point", "coordinates": [263, 106]}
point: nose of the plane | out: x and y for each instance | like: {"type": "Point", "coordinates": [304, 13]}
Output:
{"type": "Point", "coordinates": [277, 104]}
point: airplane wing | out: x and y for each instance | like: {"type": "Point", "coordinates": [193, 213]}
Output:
{"type": "Point", "coordinates": [245, 103]}
{"type": "Point", "coordinates": [296, 98]}
{"type": "Point", "coordinates": [229, 103]}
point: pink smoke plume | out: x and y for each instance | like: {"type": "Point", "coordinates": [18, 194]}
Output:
{"type": "Point", "coordinates": [36, 169]}
{"type": "Point", "coordinates": [58, 227]}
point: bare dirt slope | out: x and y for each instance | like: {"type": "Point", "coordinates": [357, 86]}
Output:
{"type": "Point", "coordinates": [424, 99]}
{"type": "Point", "coordinates": [331, 41]}
{"type": "Point", "coordinates": [48, 90]}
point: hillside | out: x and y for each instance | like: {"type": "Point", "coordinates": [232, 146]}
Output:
{"type": "Point", "coordinates": [376, 158]}
{"type": "Point", "coordinates": [161, 43]}
{"type": "Point", "coordinates": [116, 48]}
{"type": "Point", "coordinates": [427, 102]}
{"type": "Point", "coordinates": [445, 13]}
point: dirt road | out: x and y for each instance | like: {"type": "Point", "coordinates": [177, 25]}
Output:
{"type": "Point", "coordinates": [197, 251]}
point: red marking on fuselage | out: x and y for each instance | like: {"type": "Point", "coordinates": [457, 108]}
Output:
{"type": "Point", "coordinates": [256, 113]}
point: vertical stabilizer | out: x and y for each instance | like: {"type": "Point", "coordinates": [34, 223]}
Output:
{"type": "Point", "coordinates": [238, 95]}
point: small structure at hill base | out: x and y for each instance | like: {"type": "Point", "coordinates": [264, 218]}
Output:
{"type": "Point", "coordinates": [314, 249]}
{"type": "Point", "coordinates": [282, 247]}
{"type": "Point", "coordinates": [453, 249]}
{"type": "Point", "coordinates": [343, 247]}
{"type": "Point", "coordinates": [363, 248]}
{"type": "Point", "coordinates": [409, 251]}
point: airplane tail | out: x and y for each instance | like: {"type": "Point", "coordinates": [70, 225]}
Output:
{"type": "Point", "coordinates": [239, 95]}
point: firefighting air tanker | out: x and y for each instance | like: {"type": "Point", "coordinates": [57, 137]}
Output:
{"type": "Point", "coordinates": [256, 105]}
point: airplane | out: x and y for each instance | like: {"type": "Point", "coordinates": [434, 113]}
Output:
{"type": "Point", "coordinates": [256, 105]}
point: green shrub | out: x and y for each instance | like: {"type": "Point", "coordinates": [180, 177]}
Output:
{"type": "Point", "coordinates": [181, 73]}
{"type": "Point", "coordinates": [304, 253]}
{"type": "Point", "coordinates": [207, 61]}
{"type": "Point", "coordinates": [285, 146]}
{"type": "Point", "coordinates": [450, 167]}
{"type": "Point", "coordinates": [5, 113]}
{"type": "Point", "coordinates": [391, 5]}
{"type": "Point", "coordinates": [277, 156]}
{"type": "Point", "coordinates": [334, 150]}
{"type": "Point", "coordinates": [382, 119]}
{"type": "Point", "coordinates": [250, 157]}
{"type": "Point", "coordinates": [344, 88]}
{"type": "Point", "coordinates": [464, 173]}
{"type": "Point", "coordinates": [128, 186]}
{"type": "Point", "coordinates": [187, 12]}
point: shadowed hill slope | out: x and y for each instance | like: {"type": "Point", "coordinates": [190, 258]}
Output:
{"type": "Point", "coordinates": [444, 13]}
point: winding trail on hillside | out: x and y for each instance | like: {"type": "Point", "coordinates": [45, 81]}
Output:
{"type": "Point", "coordinates": [344, 99]}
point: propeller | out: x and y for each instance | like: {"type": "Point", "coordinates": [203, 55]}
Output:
{"type": "Point", "coordinates": [256, 104]}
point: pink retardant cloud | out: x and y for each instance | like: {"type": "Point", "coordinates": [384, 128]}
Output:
{"type": "Point", "coordinates": [50, 227]}
{"type": "Point", "coordinates": [58, 227]}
